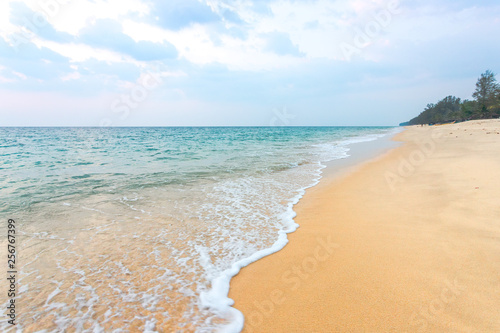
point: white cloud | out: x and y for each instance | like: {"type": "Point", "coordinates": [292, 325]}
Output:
{"type": "Point", "coordinates": [82, 52]}
{"type": "Point", "coordinates": [76, 15]}
{"type": "Point", "coordinates": [71, 76]}
{"type": "Point", "coordinates": [404, 53]}
{"type": "Point", "coordinates": [196, 43]}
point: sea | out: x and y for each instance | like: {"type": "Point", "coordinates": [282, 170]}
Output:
{"type": "Point", "coordinates": [141, 229]}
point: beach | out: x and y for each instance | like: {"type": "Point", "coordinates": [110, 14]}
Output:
{"type": "Point", "coordinates": [406, 242]}
{"type": "Point", "coordinates": [141, 229]}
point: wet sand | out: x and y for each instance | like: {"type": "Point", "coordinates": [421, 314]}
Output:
{"type": "Point", "coordinates": [407, 242]}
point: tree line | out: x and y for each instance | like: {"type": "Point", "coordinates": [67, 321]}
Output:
{"type": "Point", "coordinates": [485, 105]}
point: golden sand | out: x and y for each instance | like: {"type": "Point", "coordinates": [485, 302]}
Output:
{"type": "Point", "coordinates": [408, 242]}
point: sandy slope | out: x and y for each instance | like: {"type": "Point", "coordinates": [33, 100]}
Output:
{"type": "Point", "coordinates": [407, 242]}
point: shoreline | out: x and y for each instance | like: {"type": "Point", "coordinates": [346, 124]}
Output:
{"type": "Point", "coordinates": [221, 284]}
{"type": "Point", "coordinates": [330, 276]}
{"type": "Point", "coordinates": [193, 230]}
{"type": "Point", "coordinates": [359, 154]}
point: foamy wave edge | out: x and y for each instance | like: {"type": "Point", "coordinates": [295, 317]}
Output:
{"type": "Point", "coordinates": [217, 298]}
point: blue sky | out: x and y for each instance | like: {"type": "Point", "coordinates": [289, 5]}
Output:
{"type": "Point", "coordinates": [234, 62]}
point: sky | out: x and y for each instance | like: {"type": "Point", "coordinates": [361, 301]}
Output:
{"type": "Point", "coordinates": [239, 63]}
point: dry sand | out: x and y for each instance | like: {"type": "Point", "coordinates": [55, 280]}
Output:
{"type": "Point", "coordinates": [408, 242]}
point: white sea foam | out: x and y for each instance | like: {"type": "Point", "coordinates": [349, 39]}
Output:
{"type": "Point", "coordinates": [217, 298]}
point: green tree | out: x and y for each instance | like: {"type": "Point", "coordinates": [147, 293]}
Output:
{"type": "Point", "coordinates": [467, 109]}
{"type": "Point", "coordinates": [446, 110]}
{"type": "Point", "coordinates": [496, 107]}
{"type": "Point", "coordinates": [486, 104]}
{"type": "Point", "coordinates": [486, 95]}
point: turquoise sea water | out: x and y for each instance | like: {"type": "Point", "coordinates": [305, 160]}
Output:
{"type": "Point", "coordinates": [142, 228]}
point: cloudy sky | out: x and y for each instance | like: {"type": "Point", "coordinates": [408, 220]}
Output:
{"type": "Point", "coordinates": [235, 62]}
